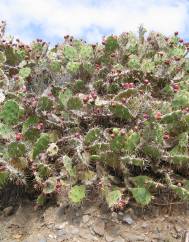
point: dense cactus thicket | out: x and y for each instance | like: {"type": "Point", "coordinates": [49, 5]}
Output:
{"type": "Point", "coordinates": [110, 118]}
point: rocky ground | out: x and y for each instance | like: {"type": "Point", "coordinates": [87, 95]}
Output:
{"type": "Point", "coordinates": [26, 224]}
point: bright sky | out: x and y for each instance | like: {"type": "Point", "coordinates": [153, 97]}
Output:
{"type": "Point", "coordinates": [91, 19]}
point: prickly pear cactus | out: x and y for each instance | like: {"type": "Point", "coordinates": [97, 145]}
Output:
{"type": "Point", "coordinates": [111, 117]}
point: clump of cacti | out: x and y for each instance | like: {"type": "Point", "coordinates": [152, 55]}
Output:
{"type": "Point", "coordinates": [111, 117]}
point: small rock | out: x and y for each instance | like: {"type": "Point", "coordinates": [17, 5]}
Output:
{"type": "Point", "coordinates": [86, 219]}
{"type": "Point", "coordinates": [114, 215]}
{"type": "Point", "coordinates": [17, 236]}
{"type": "Point", "coordinates": [178, 229]}
{"type": "Point", "coordinates": [42, 240]}
{"type": "Point", "coordinates": [61, 232]}
{"type": "Point", "coordinates": [119, 239]}
{"type": "Point", "coordinates": [99, 227]}
{"type": "Point", "coordinates": [51, 236]}
{"type": "Point", "coordinates": [127, 219]}
{"type": "Point", "coordinates": [121, 213]}
{"type": "Point", "coordinates": [85, 234]}
{"type": "Point", "coordinates": [50, 226]}
{"type": "Point", "coordinates": [59, 226]}
{"type": "Point", "coordinates": [135, 238]}
{"type": "Point", "coordinates": [108, 237]}
{"type": "Point", "coordinates": [8, 211]}
{"type": "Point", "coordinates": [144, 226]}
{"type": "Point", "coordinates": [74, 231]}
{"type": "Point", "coordinates": [185, 237]}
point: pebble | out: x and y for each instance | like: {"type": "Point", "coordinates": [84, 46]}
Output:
{"type": "Point", "coordinates": [135, 238]}
{"type": "Point", "coordinates": [42, 240]}
{"type": "Point", "coordinates": [86, 219]}
{"type": "Point", "coordinates": [74, 231]}
{"type": "Point", "coordinates": [85, 234]}
{"type": "Point", "coordinates": [127, 219]}
{"type": "Point", "coordinates": [60, 226]}
{"type": "Point", "coordinates": [51, 236]}
{"type": "Point", "coordinates": [119, 239]}
{"type": "Point", "coordinates": [114, 215]}
{"type": "Point", "coordinates": [108, 237]}
{"type": "Point", "coordinates": [145, 225]}
{"type": "Point", "coordinates": [8, 211]}
{"type": "Point", "coordinates": [99, 227]}
{"type": "Point", "coordinates": [61, 232]}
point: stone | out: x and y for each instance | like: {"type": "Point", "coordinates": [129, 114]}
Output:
{"type": "Point", "coordinates": [74, 230]}
{"type": "Point", "coordinates": [17, 236]}
{"type": "Point", "coordinates": [145, 225]}
{"type": "Point", "coordinates": [85, 219]}
{"type": "Point", "coordinates": [85, 234]}
{"type": "Point", "coordinates": [60, 226]}
{"type": "Point", "coordinates": [8, 211]}
{"type": "Point", "coordinates": [61, 232]}
{"type": "Point", "coordinates": [127, 219]}
{"type": "Point", "coordinates": [185, 237]}
{"type": "Point", "coordinates": [42, 240]}
{"type": "Point", "coordinates": [109, 238]}
{"type": "Point", "coordinates": [52, 236]}
{"type": "Point", "coordinates": [119, 239]}
{"type": "Point", "coordinates": [114, 215]}
{"type": "Point", "coordinates": [135, 238]}
{"type": "Point", "coordinates": [99, 227]}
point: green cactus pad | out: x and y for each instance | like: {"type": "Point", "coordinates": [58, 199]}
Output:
{"type": "Point", "coordinates": [73, 67]}
{"type": "Point", "coordinates": [69, 166]}
{"type": "Point", "coordinates": [4, 176]}
{"type": "Point", "coordinates": [25, 72]}
{"type": "Point", "coordinates": [181, 192]}
{"type": "Point", "coordinates": [134, 62]}
{"type": "Point", "coordinates": [86, 52]}
{"type": "Point", "coordinates": [143, 181]}
{"type": "Point", "coordinates": [77, 193]}
{"type": "Point", "coordinates": [41, 199]}
{"type": "Point", "coordinates": [11, 112]}
{"type": "Point", "coordinates": [92, 135]}
{"type": "Point", "coordinates": [16, 149]}
{"type": "Point", "coordinates": [118, 143]}
{"type": "Point", "coordinates": [74, 103]}
{"type": "Point", "coordinates": [113, 197]}
{"type": "Point", "coordinates": [70, 53]}
{"type": "Point", "coordinates": [111, 44]}
{"type": "Point", "coordinates": [132, 141]}
{"type": "Point", "coordinates": [40, 145]}
{"type": "Point", "coordinates": [30, 122]}
{"type": "Point", "coordinates": [181, 99]}
{"type": "Point", "coordinates": [2, 58]}
{"type": "Point", "coordinates": [65, 96]}
{"type": "Point", "coordinates": [125, 94]}
{"type": "Point", "coordinates": [171, 117]}
{"type": "Point", "coordinates": [50, 185]}
{"type": "Point", "coordinates": [43, 170]}
{"type": "Point", "coordinates": [120, 111]}
{"type": "Point", "coordinates": [141, 195]}
{"type": "Point", "coordinates": [6, 132]}
{"type": "Point", "coordinates": [152, 151]}
{"type": "Point", "coordinates": [45, 104]}
{"type": "Point", "coordinates": [180, 160]}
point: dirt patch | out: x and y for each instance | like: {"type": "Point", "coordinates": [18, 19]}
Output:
{"type": "Point", "coordinates": [92, 223]}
